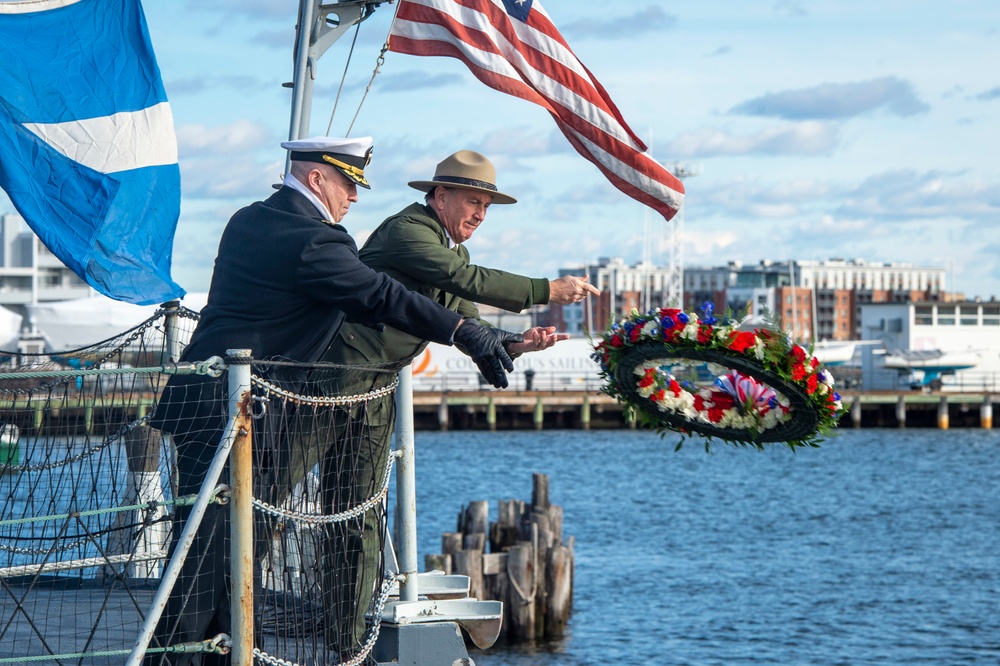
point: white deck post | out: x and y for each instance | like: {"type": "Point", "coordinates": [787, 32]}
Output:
{"type": "Point", "coordinates": [406, 487]}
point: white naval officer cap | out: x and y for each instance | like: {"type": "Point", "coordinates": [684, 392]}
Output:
{"type": "Point", "coordinates": [348, 156]}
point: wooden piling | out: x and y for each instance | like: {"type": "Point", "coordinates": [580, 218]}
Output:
{"type": "Point", "coordinates": [540, 491]}
{"type": "Point", "coordinates": [539, 415]}
{"type": "Point", "coordinates": [901, 411]}
{"type": "Point", "coordinates": [451, 543]}
{"type": "Point", "coordinates": [986, 413]}
{"type": "Point", "coordinates": [521, 600]}
{"type": "Point", "coordinates": [475, 518]}
{"type": "Point", "coordinates": [856, 412]}
{"type": "Point", "coordinates": [470, 563]}
{"type": "Point", "coordinates": [558, 587]}
{"type": "Point", "coordinates": [528, 567]}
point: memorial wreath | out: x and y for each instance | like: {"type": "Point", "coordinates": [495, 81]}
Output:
{"type": "Point", "coordinates": [686, 374]}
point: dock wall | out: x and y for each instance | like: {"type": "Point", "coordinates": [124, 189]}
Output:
{"type": "Point", "coordinates": [544, 410]}
{"type": "Point", "coordinates": [563, 409]}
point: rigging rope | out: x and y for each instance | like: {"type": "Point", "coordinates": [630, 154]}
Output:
{"type": "Point", "coordinates": [378, 68]}
{"type": "Point", "coordinates": [357, 29]}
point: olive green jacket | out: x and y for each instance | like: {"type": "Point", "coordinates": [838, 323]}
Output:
{"type": "Point", "coordinates": [412, 247]}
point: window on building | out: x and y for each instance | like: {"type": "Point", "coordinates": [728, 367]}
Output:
{"type": "Point", "coordinates": [946, 316]}
{"type": "Point", "coordinates": [969, 315]}
{"type": "Point", "coordinates": [923, 315]}
{"type": "Point", "coordinates": [991, 315]}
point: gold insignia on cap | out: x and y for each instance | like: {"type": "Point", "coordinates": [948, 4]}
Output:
{"type": "Point", "coordinates": [351, 171]}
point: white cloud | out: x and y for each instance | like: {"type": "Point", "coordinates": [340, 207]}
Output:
{"type": "Point", "coordinates": [237, 137]}
{"type": "Point", "coordinates": [805, 138]}
{"type": "Point", "coordinates": [838, 100]}
{"type": "Point", "coordinates": [242, 179]}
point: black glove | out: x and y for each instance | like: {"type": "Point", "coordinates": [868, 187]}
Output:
{"type": "Point", "coordinates": [484, 346]}
{"type": "Point", "coordinates": [507, 338]}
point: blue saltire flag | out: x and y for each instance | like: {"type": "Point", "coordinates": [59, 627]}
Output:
{"type": "Point", "coordinates": [88, 154]}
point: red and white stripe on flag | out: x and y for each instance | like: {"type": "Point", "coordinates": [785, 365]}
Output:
{"type": "Point", "coordinates": [512, 46]}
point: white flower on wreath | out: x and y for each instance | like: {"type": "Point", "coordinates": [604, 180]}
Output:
{"type": "Point", "coordinates": [773, 418]}
{"type": "Point", "coordinates": [690, 330]}
{"type": "Point", "coordinates": [683, 403]}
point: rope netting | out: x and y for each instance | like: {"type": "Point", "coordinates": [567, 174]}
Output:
{"type": "Point", "coordinates": [93, 499]}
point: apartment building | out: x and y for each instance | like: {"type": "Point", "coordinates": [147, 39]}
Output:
{"type": "Point", "coordinates": [815, 300]}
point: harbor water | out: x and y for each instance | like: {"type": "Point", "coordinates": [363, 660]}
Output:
{"type": "Point", "coordinates": [880, 547]}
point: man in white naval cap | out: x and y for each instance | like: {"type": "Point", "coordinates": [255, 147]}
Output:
{"type": "Point", "coordinates": [286, 276]}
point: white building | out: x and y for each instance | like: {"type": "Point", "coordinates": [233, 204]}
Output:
{"type": "Point", "coordinates": [29, 272]}
{"type": "Point", "coordinates": [954, 333]}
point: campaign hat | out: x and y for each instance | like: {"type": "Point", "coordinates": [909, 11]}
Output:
{"type": "Point", "coordinates": [467, 170]}
{"type": "Point", "coordinates": [348, 156]}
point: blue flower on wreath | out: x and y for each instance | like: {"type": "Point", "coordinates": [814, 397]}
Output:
{"type": "Point", "coordinates": [707, 310]}
{"type": "Point", "coordinates": [683, 318]}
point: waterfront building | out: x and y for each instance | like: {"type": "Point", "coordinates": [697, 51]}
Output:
{"type": "Point", "coordinates": [29, 272]}
{"type": "Point", "coordinates": [815, 300]}
{"type": "Point", "coordinates": [918, 338]}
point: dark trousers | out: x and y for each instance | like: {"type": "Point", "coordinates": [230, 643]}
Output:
{"type": "Point", "coordinates": [198, 607]}
{"type": "Point", "coordinates": [353, 561]}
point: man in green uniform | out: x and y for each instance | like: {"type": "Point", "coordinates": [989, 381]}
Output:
{"type": "Point", "coordinates": [421, 247]}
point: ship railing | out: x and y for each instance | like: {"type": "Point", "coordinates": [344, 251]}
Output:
{"type": "Point", "coordinates": [92, 492]}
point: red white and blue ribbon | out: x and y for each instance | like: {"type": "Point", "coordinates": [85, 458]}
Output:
{"type": "Point", "coordinates": [746, 390]}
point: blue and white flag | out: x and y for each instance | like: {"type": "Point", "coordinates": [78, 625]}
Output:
{"type": "Point", "coordinates": [88, 153]}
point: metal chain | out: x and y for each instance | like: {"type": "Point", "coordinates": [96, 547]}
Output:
{"type": "Point", "coordinates": [366, 649]}
{"type": "Point", "coordinates": [378, 68]}
{"type": "Point", "coordinates": [376, 625]}
{"type": "Point", "coordinates": [314, 519]}
{"type": "Point", "coordinates": [80, 456]}
{"type": "Point", "coordinates": [324, 400]}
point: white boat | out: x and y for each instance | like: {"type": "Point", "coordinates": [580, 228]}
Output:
{"type": "Point", "coordinates": [834, 353]}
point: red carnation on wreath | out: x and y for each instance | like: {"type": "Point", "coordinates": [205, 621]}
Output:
{"type": "Point", "coordinates": [741, 341]}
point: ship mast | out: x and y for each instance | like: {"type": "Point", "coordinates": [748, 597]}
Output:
{"type": "Point", "coordinates": [319, 27]}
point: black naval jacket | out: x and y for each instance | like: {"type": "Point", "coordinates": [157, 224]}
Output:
{"type": "Point", "coordinates": [284, 282]}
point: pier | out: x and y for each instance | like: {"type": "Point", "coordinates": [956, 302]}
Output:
{"type": "Point", "coordinates": [545, 410]}
{"type": "Point", "coordinates": [585, 410]}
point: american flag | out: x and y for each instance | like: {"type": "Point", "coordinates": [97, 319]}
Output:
{"type": "Point", "coordinates": [512, 46]}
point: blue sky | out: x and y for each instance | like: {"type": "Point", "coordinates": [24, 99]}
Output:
{"type": "Point", "coordinates": [821, 129]}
